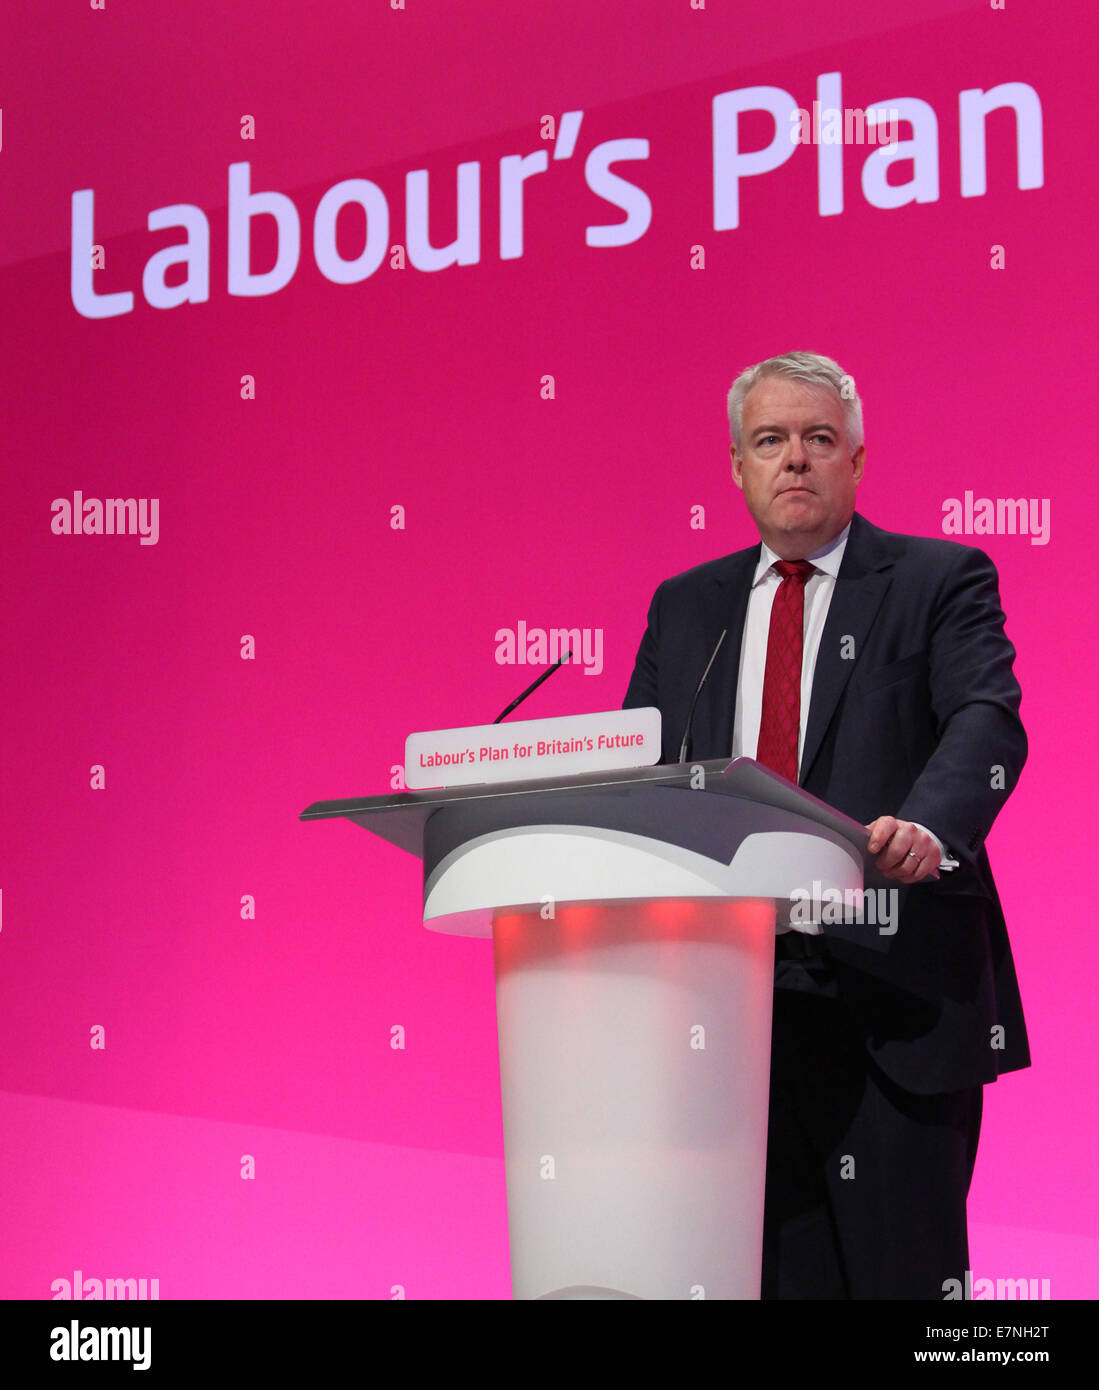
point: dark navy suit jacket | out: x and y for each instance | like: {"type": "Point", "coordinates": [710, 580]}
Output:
{"type": "Point", "coordinates": [914, 713]}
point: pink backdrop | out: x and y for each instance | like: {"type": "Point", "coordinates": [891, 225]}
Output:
{"type": "Point", "coordinates": [228, 1035]}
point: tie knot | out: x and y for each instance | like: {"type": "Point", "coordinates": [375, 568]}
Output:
{"type": "Point", "coordinates": [794, 569]}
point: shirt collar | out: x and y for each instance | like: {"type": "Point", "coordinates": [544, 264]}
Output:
{"type": "Point", "coordinates": [828, 558]}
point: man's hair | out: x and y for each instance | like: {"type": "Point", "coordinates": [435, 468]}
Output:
{"type": "Point", "coordinates": [810, 368]}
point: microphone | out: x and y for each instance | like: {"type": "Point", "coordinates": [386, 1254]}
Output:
{"type": "Point", "coordinates": [532, 688]}
{"type": "Point", "coordinates": [698, 692]}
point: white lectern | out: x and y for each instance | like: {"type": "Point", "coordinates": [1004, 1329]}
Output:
{"type": "Point", "coordinates": [633, 918]}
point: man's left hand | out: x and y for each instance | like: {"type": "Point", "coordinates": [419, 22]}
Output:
{"type": "Point", "coordinates": [903, 851]}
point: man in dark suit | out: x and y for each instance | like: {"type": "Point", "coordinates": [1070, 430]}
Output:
{"type": "Point", "coordinates": [871, 668]}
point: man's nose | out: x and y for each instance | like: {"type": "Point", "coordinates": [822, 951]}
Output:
{"type": "Point", "coordinates": [796, 456]}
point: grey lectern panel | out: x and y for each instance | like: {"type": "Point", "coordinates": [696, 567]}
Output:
{"type": "Point", "coordinates": [400, 817]}
{"type": "Point", "coordinates": [672, 815]}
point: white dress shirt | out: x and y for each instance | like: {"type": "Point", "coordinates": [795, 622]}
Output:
{"type": "Point", "coordinates": [753, 649]}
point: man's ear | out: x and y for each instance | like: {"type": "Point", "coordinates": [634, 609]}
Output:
{"type": "Point", "coordinates": [858, 460]}
{"type": "Point", "coordinates": [738, 467]}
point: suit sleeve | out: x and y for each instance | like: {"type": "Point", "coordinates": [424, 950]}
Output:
{"type": "Point", "coordinates": [981, 746]}
{"type": "Point", "coordinates": [642, 689]}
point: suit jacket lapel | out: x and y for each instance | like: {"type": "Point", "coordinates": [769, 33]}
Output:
{"type": "Point", "coordinates": [861, 585]}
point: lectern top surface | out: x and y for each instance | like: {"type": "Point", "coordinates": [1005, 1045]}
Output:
{"type": "Point", "coordinates": [400, 817]}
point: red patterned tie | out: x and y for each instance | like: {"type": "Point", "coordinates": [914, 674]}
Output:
{"type": "Point", "coordinates": [780, 722]}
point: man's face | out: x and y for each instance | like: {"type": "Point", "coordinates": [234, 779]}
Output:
{"type": "Point", "coordinates": [795, 465]}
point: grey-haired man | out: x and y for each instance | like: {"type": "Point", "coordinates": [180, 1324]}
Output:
{"type": "Point", "coordinates": [872, 668]}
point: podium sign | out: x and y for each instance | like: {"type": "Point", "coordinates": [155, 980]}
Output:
{"type": "Point", "coordinates": [533, 748]}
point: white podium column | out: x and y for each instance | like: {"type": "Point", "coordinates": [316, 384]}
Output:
{"type": "Point", "coordinates": [635, 1068]}
{"type": "Point", "coordinates": [634, 1025]}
